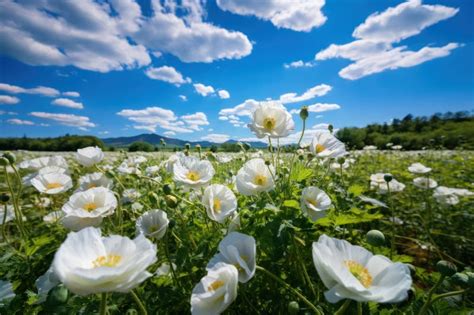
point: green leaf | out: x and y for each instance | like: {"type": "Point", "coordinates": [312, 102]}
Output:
{"type": "Point", "coordinates": [355, 190]}
{"type": "Point", "coordinates": [291, 204]}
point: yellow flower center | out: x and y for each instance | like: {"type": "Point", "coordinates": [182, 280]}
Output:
{"type": "Point", "coordinates": [313, 202]}
{"type": "Point", "coordinates": [107, 261]}
{"type": "Point", "coordinates": [260, 180]}
{"type": "Point", "coordinates": [215, 285]}
{"type": "Point", "coordinates": [53, 186]}
{"type": "Point", "coordinates": [269, 123]}
{"type": "Point", "coordinates": [92, 185]}
{"type": "Point", "coordinates": [320, 148]}
{"type": "Point", "coordinates": [91, 206]}
{"type": "Point", "coordinates": [192, 175]}
{"type": "Point", "coordinates": [360, 272]}
{"type": "Point", "coordinates": [216, 206]}
{"type": "Point", "coordinates": [154, 228]}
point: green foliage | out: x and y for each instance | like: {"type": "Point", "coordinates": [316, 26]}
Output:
{"type": "Point", "coordinates": [65, 143]}
{"type": "Point", "coordinates": [141, 146]}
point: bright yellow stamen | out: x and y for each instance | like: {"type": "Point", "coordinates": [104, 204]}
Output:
{"type": "Point", "coordinates": [269, 123]}
{"type": "Point", "coordinates": [107, 261]}
{"type": "Point", "coordinates": [320, 148]}
{"type": "Point", "coordinates": [53, 186]}
{"type": "Point", "coordinates": [91, 206]}
{"type": "Point", "coordinates": [192, 175]}
{"type": "Point", "coordinates": [260, 180]}
{"type": "Point", "coordinates": [360, 272]}
{"type": "Point", "coordinates": [215, 285]}
{"type": "Point", "coordinates": [216, 206]}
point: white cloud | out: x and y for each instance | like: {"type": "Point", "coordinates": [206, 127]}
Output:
{"type": "Point", "coordinates": [2, 112]}
{"type": "Point", "coordinates": [169, 133]}
{"type": "Point", "coordinates": [194, 121]}
{"type": "Point", "coordinates": [9, 100]}
{"type": "Point", "coordinates": [373, 51]}
{"type": "Point", "coordinates": [318, 108]}
{"type": "Point", "coordinates": [71, 94]}
{"type": "Point", "coordinates": [318, 90]}
{"type": "Point", "coordinates": [223, 94]}
{"type": "Point", "coordinates": [183, 98]}
{"type": "Point", "coordinates": [307, 137]}
{"type": "Point", "coordinates": [299, 64]}
{"type": "Point", "coordinates": [65, 102]}
{"type": "Point", "coordinates": [15, 121]}
{"type": "Point", "coordinates": [244, 109]}
{"type": "Point", "coordinates": [41, 90]}
{"type": "Point", "coordinates": [216, 137]}
{"type": "Point", "coordinates": [297, 15]}
{"type": "Point", "coordinates": [104, 132]}
{"type": "Point", "coordinates": [81, 122]}
{"type": "Point", "coordinates": [203, 90]}
{"type": "Point", "coordinates": [167, 74]}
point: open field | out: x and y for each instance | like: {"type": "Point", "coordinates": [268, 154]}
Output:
{"type": "Point", "coordinates": [428, 226]}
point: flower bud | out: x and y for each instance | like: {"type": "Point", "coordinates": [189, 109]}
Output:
{"type": "Point", "coordinates": [171, 201]}
{"type": "Point", "coordinates": [153, 197]}
{"type": "Point", "coordinates": [187, 146]}
{"type": "Point", "coordinates": [460, 279]}
{"type": "Point", "coordinates": [198, 147]}
{"type": "Point", "coordinates": [470, 282]}
{"type": "Point", "coordinates": [446, 268]}
{"type": "Point", "coordinates": [167, 189]}
{"type": "Point", "coordinates": [267, 163]}
{"type": "Point", "coordinates": [186, 152]}
{"type": "Point", "coordinates": [341, 160]}
{"type": "Point", "coordinates": [10, 157]}
{"type": "Point", "coordinates": [293, 308]}
{"type": "Point", "coordinates": [304, 112]}
{"type": "Point", "coordinates": [330, 128]}
{"type": "Point", "coordinates": [387, 178]}
{"type": "Point", "coordinates": [4, 161]}
{"type": "Point", "coordinates": [58, 295]}
{"type": "Point", "coordinates": [4, 198]}
{"type": "Point", "coordinates": [375, 238]}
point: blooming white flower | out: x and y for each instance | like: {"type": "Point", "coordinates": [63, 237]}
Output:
{"type": "Point", "coordinates": [152, 170]}
{"type": "Point", "coordinates": [238, 250]}
{"type": "Point", "coordinates": [6, 291]}
{"type": "Point", "coordinates": [38, 163]}
{"type": "Point", "coordinates": [89, 156]}
{"type": "Point", "coordinates": [254, 177]}
{"type": "Point", "coordinates": [216, 291]}
{"type": "Point", "coordinates": [169, 163]}
{"type": "Point", "coordinates": [418, 168]}
{"type": "Point", "coordinates": [53, 217]}
{"type": "Point", "coordinates": [88, 208]}
{"type": "Point", "coordinates": [369, 148]}
{"type": "Point", "coordinates": [26, 180]}
{"type": "Point", "coordinates": [94, 180]}
{"type": "Point", "coordinates": [223, 158]}
{"type": "Point", "coordinates": [314, 202]}
{"type": "Point", "coordinates": [9, 216]}
{"type": "Point", "coordinates": [164, 269]}
{"type": "Point", "coordinates": [152, 224]}
{"type": "Point", "coordinates": [373, 201]}
{"type": "Point", "coordinates": [325, 145]}
{"type": "Point", "coordinates": [377, 181]}
{"type": "Point", "coordinates": [45, 283]}
{"type": "Point", "coordinates": [271, 119]}
{"type": "Point", "coordinates": [88, 263]}
{"type": "Point", "coordinates": [352, 272]}
{"type": "Point", "coordinates": [424, 183]}
{"type": "Point", "coordinates": [220, 202]}
{"type": "Point", "coordinates": [130, 195]}
{"type": "Point", "coordinates": [449, 196]}
{"type": "Point", "coordinates": [192, 172]}
{"type": "Point", "coordinates": [127, 169]}
{"type": "Point", "coordinates": [52, 183]}
{"type": "Point", "coordinates": [397, 147]}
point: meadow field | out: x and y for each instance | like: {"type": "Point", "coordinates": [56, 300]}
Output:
{"type": "Point", "coordinates": [246, 233]}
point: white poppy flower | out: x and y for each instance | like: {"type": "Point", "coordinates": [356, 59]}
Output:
{"type": "Point", "coordinates": [314, 202]}
{"type": "Point", "coordinates": [88, 208]}
{"type": "Point", "coordinates": [397, 147]}
{"type": "Point", "coordinates": [220, 202]}
{"type": "Point", "coordinates": [373, 201]}
{"type": "Point", "coordinates": [26, 180]}
{"type": "Point", "coordinates": [126, 169]}
{"type": "Point", "coordinates": [424, 183]}
{"type": "Point", "coordinates": [192, 172]}
{"type": "Point", "coordinates": [9, 216]}
{"type": "Point", "coordinates": [38, 163]}
{"type": "Point", "coordinates": [94, 180]}
{"type": "Point", "coordinates": [152, 224]}
{"type": "Point", "coordinates": [352, 272]}
{"type": "Point", "coordinates": [87, 263]}
{"type": "Point", "coordinates": [382, 187]}
{"type": "Point", "coordinates": [461, 192]}
{"type": "Point", "coordinates": [130, 195]}
{"type": "Point", "coordinates": [445, 196]}
{"type": "Point", "coordinates": [89, 156]}
{"type": "Point", "coordinates": [223, 158]}
{"type": "Point", "coordinates": [271, 119]}
{"type": "Point", "coordinates": [53, 217]}
{"type": "Point", "coordinates": [238, 250]}
{"type": "Point", "coordinates": [254, 177]}
{"type": "Point", "coordinates": [216, 291]}
{"type": "Point", "coordinates": [418, 168]}
{"type": "Point", "coordinates": [152, 170]}
{"type": "Point", "coordinates": [169, 163]}
{"type": "Point", "coordinates": [325, 145]}
{"type": "Point", "coordinates": [45, 283]}
{"type": "Point", "coordinates": [6, 291]}
{"type": "Point", "coordinates": [52, 183]}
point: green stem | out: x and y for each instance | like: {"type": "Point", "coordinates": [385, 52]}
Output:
{"type": "Point", "coordinates": [18, 215]}
{"type": "Point", "coordinates": [305, 272]}
{"type": "Point", "coordinates": [4, 227]}
{"type": "Point", "coordinates": [359, 308]}
{"type": "Point", "coordinates": [103, 304]}
{"type": "Point", "coordinates": [447, 294]}
{"type": "Point", "coordinates": [139, 303]}
{"type": "Point", "coordinates": [290, 288]}
{"type": "Point", "coordinates": [167, 252]}
{"type": "Point", "coordinates": [427, 304]}
{"type": "Point", "coordinates": [343, 308]}
{"type": "Point", "coordinates": [392, 219]}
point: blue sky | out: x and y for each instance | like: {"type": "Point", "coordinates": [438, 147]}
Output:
{"type": "Point", "coordinates": [194, 69]}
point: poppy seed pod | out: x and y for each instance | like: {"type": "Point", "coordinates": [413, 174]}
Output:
{"type": "Point", "coordinates": [167, 189]}
{"type": "Point", "coordinates": [330, 128]}
{"type": "Point", "coordinates": [387, 178]}
{"type": "Point", "coordinates": [187, 146]}
{"type": "Point", "coordinates": [375, 238]}
{"type": "Point", "coordinates": [198, 147]}
{"type": "Point", "coordinates": [304, 112]}
{"type": "Point", "coordinates": [10, 157]}
{"type": "Point", "coordinates": [341, 160]}
{"type": "Point", "coordinates": [446, 268]}
{"type": "Point", "coordinates": [460, 279]}
{"type": "Point", "coordinates": [57, 295]}
{"type": "Point", "coordinates": [293, 308]}
{"type": "Point", "coordinates": [171, 201]}
{"type": "Point", "coordinates": [4, 198]}
{"type": "Point", "coordinates": [4, 161]}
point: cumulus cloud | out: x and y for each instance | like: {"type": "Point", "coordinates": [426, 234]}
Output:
{"type": "Point", "coordinates": [296, 15]}
{"type": "Point", "coordinates": [15, 121]}
{"type": "Point", "coordinates": [9, 100]}
{"type": "Point", "coordinates": [203, 90]}
{"type": "Point", "coordinates": [65, 102]}
{"type": "Point", "coordinates": [195, 121]}
{"type": "Point", "coordinates": [71, 94]}
{"type": "Point", "coordinates": [167, 74]}
{"type": "Point", "coordinates": [299, 64]}
{"type": "Point", "coordinates": [169, 133]}
{"type": "Point", "coordinates": [183, 98]}
{"type": "Point", "coordinates": [41, 90]}
{"type": "Point", "coordinates": [318, 90]}
{"type": "Point", "coordinates": [373, 50]}
{"type": "Point", "coordinates": [81, 122]}
{"type": "Point", "coordinates": [318, 108]}
{"type": "Point", "coordinates": [223, 94]}
{"type": "Point", "coordinates": [307, 137]}
{"type": "Point", "coordinates": [216, 137]}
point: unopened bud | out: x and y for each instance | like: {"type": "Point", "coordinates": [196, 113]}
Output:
{"type": "Point", "coordinates": [10, 157]}
{"type": "Point", "coordinates": [341, 160]}
{"type": "Point", "coordinates": [446, 268]}
{"type": "Point", "coordinates": [375, 238]}
{"type": "Point", "coordinates": [293, 308]}
{"type": "Point", "coordinates": [187, 146]}
{"type": "Point", "coordinates": [387, 178]}
{"type": "Point", "coordinates": [167, 189]}
{"type": "Point", "coordinates": [171, 201]}
{"type": "Point", "coordinates": [57, 295]}
{"type": "Point", "coordinates": [4, 161]}
{"type": "Point", "coordinates": [330, 128]}
{"type": "Point", "coordinates": [460, 279]}
{"type": "Point", "coordinates": [4, 198]}
{"type": "Point", "coordinates": [304, 112]}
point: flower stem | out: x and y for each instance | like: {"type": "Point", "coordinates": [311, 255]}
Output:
{"type": "Point", "coordinates": [343, 308]}
{"type": "Point", "coordinates": [392, 236]}
{"type": "Point", "coordinates": [167, 252]}
{"type": "Point", "coordinates": [290, 288]}
{"type": "Point", "coordinates": [103, 304]}
{"type": "Point", "coordinates": [139, 303]}
{"type": "Point", "coordinates": [427, 304]}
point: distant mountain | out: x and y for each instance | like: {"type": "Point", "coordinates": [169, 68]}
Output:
{"type": "Point", "coordinates": [155, 139]}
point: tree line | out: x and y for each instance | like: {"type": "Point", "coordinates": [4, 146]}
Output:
{"type": "Point", "coordinates": [64, 143]}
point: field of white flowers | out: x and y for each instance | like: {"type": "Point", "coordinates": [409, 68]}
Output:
{"type": "Point", "coordinates": [318, 231]}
